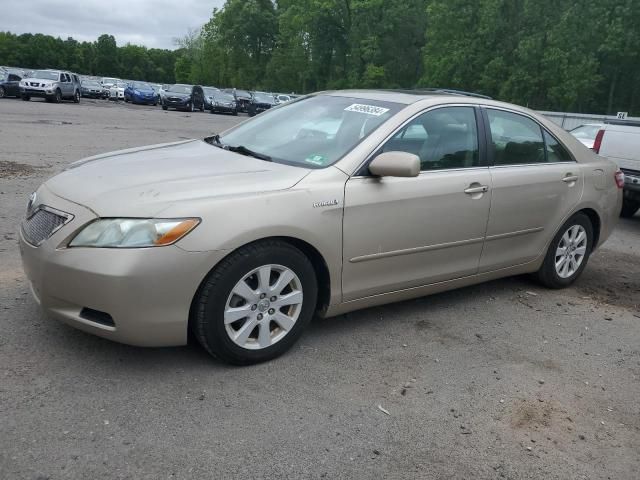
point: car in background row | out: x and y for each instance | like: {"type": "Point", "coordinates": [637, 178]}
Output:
{"type": "Point", "coordinates": [183, 97]}
{"type": "Point", "coordinates": [9, 84]}
{"type": "Point", "coordinates": [92, 89]}
{"type": "Point", "coordinates": [208, 96]}
{"type": "Point", "coordinates": [223, 102]}
{"type": "Point", "coordinates": [586, 133]}
{"type": "Point", "coordinates": [261, 102]}
{"type": "Point", "coordinates": [243, 98]}
{"type": "Point", "coordinates": [140, 93]}
{"type": "Point", "coordinates": [116, 92]}
{"type": "Point", "coordinates": [619, 140]}
{"type": "Point", "coordinates": [52, 85]}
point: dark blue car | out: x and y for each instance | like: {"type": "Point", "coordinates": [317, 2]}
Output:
{"type": "Point", "coordinates": [141, 93]}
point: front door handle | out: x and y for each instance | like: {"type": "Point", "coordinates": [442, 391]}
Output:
{"type": "Point", "coordinates": [475, 190]}
{"type": "Point", "coordinates": [570, 178]}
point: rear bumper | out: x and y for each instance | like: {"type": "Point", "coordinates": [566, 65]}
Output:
{"type": "Point", "coordinates": [146, 292]}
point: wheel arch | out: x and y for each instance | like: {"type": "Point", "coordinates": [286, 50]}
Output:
{"type": "Point", "coordinates": [596, 223]}
{"type": "Point", "coordinates": [317, 260]}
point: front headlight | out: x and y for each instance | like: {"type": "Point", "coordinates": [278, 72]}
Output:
{"type": "Point", "coordinates": [133, 232]}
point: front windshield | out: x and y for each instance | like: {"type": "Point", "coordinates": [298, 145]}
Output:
{"type": "Point", "coordinates": [209, 91]}
{"type": "Point", "coordinates": [141, 86]}
{"type": "Point", "coordinates": [313, 132]}
{"type": "Point", "coordinates": [45, 75]}
{"type": "Point", "coordinates": [108, 80]}
{"type": "Point", "coordinates": [223, 96]}
{"type": "Point", "coordinates": [180, 88]}
{"type": "Point", "coordinates": [90, 83]}
{"type": "Point", "coordinates": [587, 132]}
{"type": "Point", "coordinates": [263, 97]}
{"type": "Point", "coordinates": [120, 84]}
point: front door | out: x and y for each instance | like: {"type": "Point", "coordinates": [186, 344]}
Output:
{"type": "Point", "coordinates": [406, 232]}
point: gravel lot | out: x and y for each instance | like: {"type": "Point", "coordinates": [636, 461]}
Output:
{"type": "Point", "coordinates": [501, 380]}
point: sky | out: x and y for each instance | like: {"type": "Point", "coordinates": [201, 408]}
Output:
{"type": "Point", "coordinates": [152, 23]}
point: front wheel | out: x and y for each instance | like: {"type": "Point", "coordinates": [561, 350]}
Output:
{"type": "Point", "coordinates": [2, 92]}
{"type": "Point", "coordinates": [76, 97]}
{"type": "Point", "coordinates": [568, 253]}
{"type": "Point", "coordinates": [57, 97]}
{"type": "Point", "coordinates": [164, 107]}
{"type": "Point", "coordinates": [26, 98]}
{"type": "Point", "coordinates": [255, 304]}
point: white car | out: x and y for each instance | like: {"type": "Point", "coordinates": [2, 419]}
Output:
{"type": "Point", "coordinates": [116, 92]}
{"type": "Point", "coordinates": [586, 133]}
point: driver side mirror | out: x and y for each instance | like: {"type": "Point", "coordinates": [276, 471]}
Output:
{"type": "Point", "coordinates": [395, 164]}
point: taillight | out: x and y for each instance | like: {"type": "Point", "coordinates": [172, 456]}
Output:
{"type": "Point", "coordinates": [619, 176]}
{"type": "Point", "coordinates": [598, 141]}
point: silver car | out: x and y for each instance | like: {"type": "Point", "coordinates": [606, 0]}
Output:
{"type": "Point", "coordinates": [52, 85]}
{"type": "Point", "coordinates": [330, 203]}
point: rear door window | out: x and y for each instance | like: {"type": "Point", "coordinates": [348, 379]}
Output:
{"type": "Point", "coordinates": [516, 139]}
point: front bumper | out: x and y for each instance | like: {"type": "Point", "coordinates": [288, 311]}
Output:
{"type": "Point", "coordinates": [177, 103]}
{"type": "Point", "coordinates": [147, 292]}
{"type": "Point", "coordinates": [144, 99]}
{"type": "Point", "coordinates": [37, 92]}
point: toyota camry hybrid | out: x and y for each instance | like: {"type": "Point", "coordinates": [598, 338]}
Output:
{"type": "Point", "coordinates": [333, 202]}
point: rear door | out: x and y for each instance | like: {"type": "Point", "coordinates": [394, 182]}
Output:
{"type": "Point", "coordinates": [535, 184]}
{"type": "Point", "coordinates": [13, 85]}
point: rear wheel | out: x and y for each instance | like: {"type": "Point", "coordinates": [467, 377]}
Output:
{"type": "Point", "coordinates": [568, 253]}
{"type": "Point", "coordinates": [629, 208]}
{"type": "Point", "coordinates": [2, 92]}
{"type": "Point", "coordinates": [255, 304]}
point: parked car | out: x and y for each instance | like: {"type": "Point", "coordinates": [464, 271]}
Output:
{"type": "Point", "coordinates": [243, 237]}
{"type": "Point", "coordinates": [261, 102]}
{"type": "Point", "coordinates": [140, 92]}
{"type": "Point", "coordinates": [619, 140]}
{"type": "Point", "coordinates": [586, 133]}
{"type": "Point", "coordinates": [183, 97]}
{"type": "Point", "coordinates": [52, 85]}
{"type": "Point", "coordinates": [116, 91]}
{"type": "Point", "coordinates": [208, 96]}
{"type": "Point", "coordinates": [9, 84]}
{"type": "Point", "coordinates": [91, 89]}
{"type": "Point", "coordinates": [223, 102]}
{"type": "Point", "coordinates": [243, 98]}
{"type": "Point", "coordinates": [282, 98]}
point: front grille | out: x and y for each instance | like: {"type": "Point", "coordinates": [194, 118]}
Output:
{"type": "Point", "coordinates": [41, 225]}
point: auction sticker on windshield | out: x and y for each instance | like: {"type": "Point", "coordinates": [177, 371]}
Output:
{"type": "Point", "coordinates": [368, 109]}
{"type": "Point", "coordinates": [316, 160]}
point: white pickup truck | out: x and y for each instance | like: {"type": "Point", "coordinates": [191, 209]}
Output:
{"type": "Point", "coordinates": [619, 140]}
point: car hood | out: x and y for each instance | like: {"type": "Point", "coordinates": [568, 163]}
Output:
{"type": "Point", "coordinates": [177, 94]}
{"type": "Point", "coordinates": [144, 181]}
{"type": "Point", "coordinates": [39, 80]}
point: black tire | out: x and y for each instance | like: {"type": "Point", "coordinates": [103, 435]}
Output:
{"type": "Point", "coordinates": [164, 107]}
{"type": "Point", "coordinates": [547, 275]}
{"type": "Point", "coordinates": [76, 97]}
{"type": "Point", "coordinates": [191, 107]}
{"type": "Point", "coordinates": [207, 322]}
{"type": "Point", "coordinates": [3, 92]}
{"type": "Point", "coordinates": [26, 98]}
{"type": "Point", "coordinates": [57, 96]}
{"type": "Point", "coordinates": [235, 113]}
{"type": "Point", "coordinates": [629, 208]}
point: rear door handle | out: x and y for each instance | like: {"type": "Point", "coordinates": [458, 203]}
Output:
{"type": "Point", "coordinates": [570, 178]}
{"type": "Point", "coordinates": [478, 189]}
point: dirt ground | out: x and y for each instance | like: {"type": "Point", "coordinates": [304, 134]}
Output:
{"type": "Point", "coordinates": [501, 380]}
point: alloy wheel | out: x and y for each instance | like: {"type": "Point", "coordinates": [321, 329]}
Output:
{"type": "Point", "coordinates": [571, 251]}
{"type": "Point", "coordinates": [263, 307]}
{"type": "Point", "coordinates": [2, 92]}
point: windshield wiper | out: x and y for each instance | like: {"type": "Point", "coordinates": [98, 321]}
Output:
{"type": "Point", "coordinates": [241, 149]}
